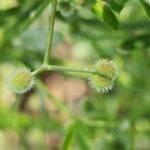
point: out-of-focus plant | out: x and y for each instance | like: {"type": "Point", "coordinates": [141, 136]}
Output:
{"type": "Point", "coordinates": [101, 76]}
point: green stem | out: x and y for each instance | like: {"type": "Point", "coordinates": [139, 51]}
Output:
{"type": "Point", "coordinates": [61, 106]}
{"type": "Point", "coordinates": [99, 123]}
{"type": "Point", "coordinates": [51, 30]}
{"type": "Point", "coordinates": [62, 69]}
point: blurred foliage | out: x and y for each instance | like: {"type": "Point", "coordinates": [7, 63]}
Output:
{"type": "Point", "coordinates": [120, 120]}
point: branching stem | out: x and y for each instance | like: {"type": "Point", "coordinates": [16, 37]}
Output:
{"type": "Point", "coordinates": [47, 67]}
{"type": "Point", "coordinates": [61, 69]}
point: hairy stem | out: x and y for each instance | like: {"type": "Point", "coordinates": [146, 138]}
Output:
{"type": "Point", "coordinates": [62, 69]}
{"type": "Point", "coordinates": [51, 30]}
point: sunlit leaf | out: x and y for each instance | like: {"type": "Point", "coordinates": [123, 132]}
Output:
{"type": "Point", "coordinates": [116, 5]}
{"type": "Point", "coordinates": [146, 5]}
{"type": "Point", "coordinates": [104, 13]}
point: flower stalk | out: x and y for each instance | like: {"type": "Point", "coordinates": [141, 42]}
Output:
{"type": "Point", "coordinates": [61, 69]}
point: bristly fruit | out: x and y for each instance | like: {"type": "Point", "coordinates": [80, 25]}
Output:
{"type": "Point", "coordinates": [21, 80]}
{"type": "Point", "coordinates": [105, 73]}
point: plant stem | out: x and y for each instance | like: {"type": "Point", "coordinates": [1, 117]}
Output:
{"type": "Point", "coordinates": [51, 30]}
{"type": "Point", "coordinates": [61, 106]}
{"type": "Point", "coordinates": [99, 123]}
{"type": "Point", "coordinates": [62, 69]}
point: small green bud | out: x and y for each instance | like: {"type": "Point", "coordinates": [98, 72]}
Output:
{"type": "Point", "coordinates": [21, 80]}
{"type": "Point", "coordinates": [105, 74]}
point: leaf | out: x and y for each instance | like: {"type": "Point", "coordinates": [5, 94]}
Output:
{"type": "Point", "coordinates": [146, 5]}
{"type": "Point", "coordinates": [69, 137]}
{"type": "Point", "coordinates": [116, 5]}
{"type": "Point", "coordinates": [103, 12]}
{"type": "Point", "coordinates": [5, 14]}
{"type": "Point", "coordinates": [83, 141]}
{"type": "Point", "coordinates": [24, 18]}
{"type": "Point", "coordinates": [132, 42]}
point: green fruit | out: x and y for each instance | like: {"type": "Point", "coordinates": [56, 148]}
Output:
{"type": "Point", "coordinates": [105, 74]}
{"type": "Point", "coordinates": [21, 80]}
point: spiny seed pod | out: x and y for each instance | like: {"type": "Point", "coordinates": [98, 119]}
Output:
{"type": "Point", "coordinates": [21, 80]}
{"type": "Point", "coordinates": [105, 73]}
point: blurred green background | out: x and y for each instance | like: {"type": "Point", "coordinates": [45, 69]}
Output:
{"type": "Point", "coordinates": [31, 121]}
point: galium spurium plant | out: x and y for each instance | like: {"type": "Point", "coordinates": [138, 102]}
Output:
{"type": "Point", "coordinates": [101, 76]}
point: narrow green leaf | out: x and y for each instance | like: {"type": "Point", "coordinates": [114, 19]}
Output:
{"type": "Point", "coordinates": [54, 99]}
{"type": "Point", "coordinates": [142, 40]}
{"type": "Point", "coordinates": [24, 18]}
{"type": "Point", "coordinates": [67, 143]}
{"type": "Point", "coordinates": [146, 5]}
{"type": "Point", "coordinates": [83, 141]}
{"type": "Point", "coordinates": [116, 5]}
{"type": "Point", "coordinates": [103, 12]}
